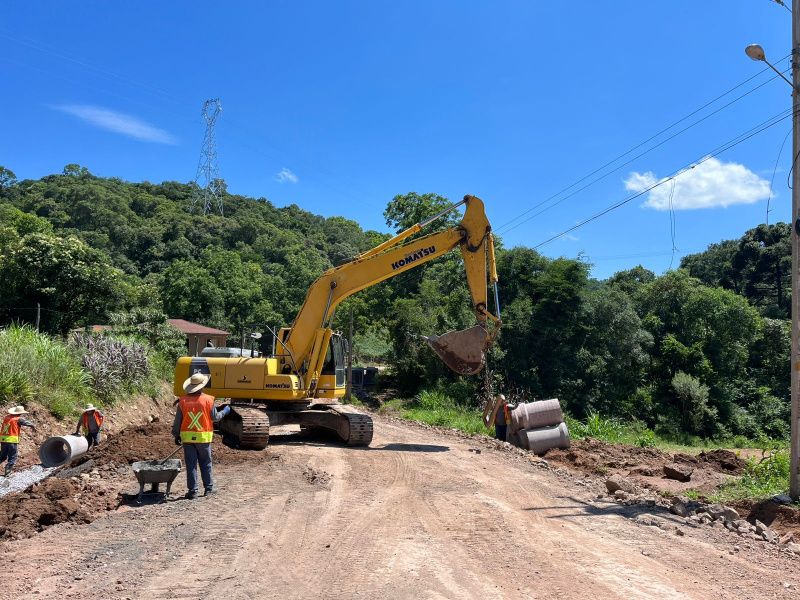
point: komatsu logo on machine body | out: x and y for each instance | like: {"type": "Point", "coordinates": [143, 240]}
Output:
{"type": "Point", "coordinates": [421, 253]}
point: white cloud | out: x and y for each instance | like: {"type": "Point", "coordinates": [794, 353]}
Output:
{"type": "Point", "coordinates": [709, 184]}
{"type": "Point", "coordinates": [286, 175]}
{"type": "Point", "coordinates": [570, 237]}
{"type": "Point", "coordinates": [117, 122]}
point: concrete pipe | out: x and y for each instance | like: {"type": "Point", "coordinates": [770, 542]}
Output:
{"type": "Point", "coordinates": [533, 415]}
{"type": "Point", "coordinates": [543, 439]}
{"type": "Point", "coordinates": [62, 449]}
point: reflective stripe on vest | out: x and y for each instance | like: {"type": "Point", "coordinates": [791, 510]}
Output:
{"type": "Point", "coordinates": [9, 430]}
{"type": "Point", "coordinates": [196, 425]}
{"type": "Point", "coordinates": [85, 420]}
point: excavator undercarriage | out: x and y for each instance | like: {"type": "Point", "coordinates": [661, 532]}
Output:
{"type": "Point", "coordinates": [247, 425]}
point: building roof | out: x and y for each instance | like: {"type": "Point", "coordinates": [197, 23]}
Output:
{"type": "Point", "coordinates": [194, 328]}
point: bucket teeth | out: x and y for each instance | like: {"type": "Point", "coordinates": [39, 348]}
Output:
{"type": "Point", "coordinates": [462, 351]}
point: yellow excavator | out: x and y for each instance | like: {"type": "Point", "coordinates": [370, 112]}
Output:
{"type": "Point", "coordinates": [305, 378]}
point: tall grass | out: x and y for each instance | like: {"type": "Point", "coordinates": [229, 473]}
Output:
{"type": "Point", "coordinates": [436, 408]}
{"type": "Point", "coordinates": [34, 366]}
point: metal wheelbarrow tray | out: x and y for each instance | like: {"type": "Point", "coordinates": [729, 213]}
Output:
{"type": "Point", "coordinates": [156, 472]}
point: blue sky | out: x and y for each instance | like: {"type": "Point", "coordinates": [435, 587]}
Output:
{"type": "Point", "coordinates": [338, 106]}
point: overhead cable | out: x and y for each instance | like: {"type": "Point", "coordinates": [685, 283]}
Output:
{"type": "Point", "coordinates": [763, 126]}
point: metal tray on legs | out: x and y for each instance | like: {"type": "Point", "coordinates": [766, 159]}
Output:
{"type": "Point", "coordinates": [156, 472]}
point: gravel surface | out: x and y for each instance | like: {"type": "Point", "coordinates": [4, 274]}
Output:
{"type": "Point", "coordinates": [22, 480]}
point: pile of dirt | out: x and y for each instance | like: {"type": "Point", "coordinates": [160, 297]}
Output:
{"type": "Point", "coordinates": [781, 517]}
{"type": "Point", "coordinates": [94, 483]}
{"type": "Point", "coordinates": [48, 503]}
{"type": "Point", "coordinates": [645, 466]}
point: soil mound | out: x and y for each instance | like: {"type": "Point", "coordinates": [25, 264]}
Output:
{"type": "Point", "coordinates": [53, 501]}
{"type": "Point", "coordinates": [646, 466]}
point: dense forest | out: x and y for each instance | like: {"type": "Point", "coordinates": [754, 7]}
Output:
{"type": "Point", "coordinates": [703, 349]}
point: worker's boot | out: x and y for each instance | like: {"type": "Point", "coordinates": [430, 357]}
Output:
{"type": "Point", "coordinates": [8, 470]}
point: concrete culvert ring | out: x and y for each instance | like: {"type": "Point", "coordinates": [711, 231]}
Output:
{"type": "Point", "coordinates": [60, 450]}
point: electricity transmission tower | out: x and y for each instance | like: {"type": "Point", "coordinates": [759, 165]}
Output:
{"type": "Point", "coordinates": [209, 187]}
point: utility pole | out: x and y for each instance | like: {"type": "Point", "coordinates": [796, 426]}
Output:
{"type": "Point", "coordinates": [756, 52]}
{"type": "Point", "coordinates": [794, 478]}
{"type": "Point", "coordinates": [38, 315]}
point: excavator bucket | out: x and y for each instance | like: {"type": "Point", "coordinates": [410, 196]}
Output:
{"type": "Point", "coordinates": [462, 351]}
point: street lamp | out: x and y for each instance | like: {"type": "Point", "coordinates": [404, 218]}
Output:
{"type": "Point", "coordinates": [756, 52]}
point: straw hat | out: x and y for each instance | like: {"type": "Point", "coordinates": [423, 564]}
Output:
{"type": "Point", "coordinates": [195, 383]}
{"type": "Point", "coordinates": [17, 410]}
{"type": "Point", "coordinates": [89, 407]}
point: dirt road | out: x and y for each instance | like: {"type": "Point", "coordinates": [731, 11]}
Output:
{"type": "Point", "coordinates": [417, 515]}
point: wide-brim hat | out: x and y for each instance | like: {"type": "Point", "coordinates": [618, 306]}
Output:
{"type": "Point", "coordinates": [90, 407]}
{"type": "Point", "coordinates": [195, 383]}
{"type": "Point", "coordinates": [17, 410]}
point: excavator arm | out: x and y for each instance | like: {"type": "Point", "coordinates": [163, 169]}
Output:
{"type": "Point", "coordinates": [307, 340]}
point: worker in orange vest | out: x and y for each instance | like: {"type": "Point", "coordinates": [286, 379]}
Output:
{"type": "Point", "coordinates": [194, 429]}
{"type": "Point", "coordinates": [91, 421]}
{"type": "Point", "coordinates": [9, 436]}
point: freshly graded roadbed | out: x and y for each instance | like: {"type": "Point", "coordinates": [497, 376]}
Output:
{"type": "Point", "coordinates": [419, 514]}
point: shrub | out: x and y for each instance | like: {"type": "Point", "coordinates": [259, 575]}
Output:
{"type": "Point", "coordinates": [646, 439]}
{"type": "Point", "coordinates": [762, 478]}
{"type": "Point", "coordinates": [113, 365]}
{"type": "Point", "coordinates": [693, 398]}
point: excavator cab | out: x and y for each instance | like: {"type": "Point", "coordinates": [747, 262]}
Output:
{"type": "Point", "coordinates": [335, 360]}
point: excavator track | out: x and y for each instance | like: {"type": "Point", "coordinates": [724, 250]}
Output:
{"type": "Point", "coordinates": [358, 427]}
{"type": "Point", "coordinates": [249, 427]}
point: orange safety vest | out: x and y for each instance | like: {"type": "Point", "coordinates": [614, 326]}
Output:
{"type": "Point", "coordinates": [196, 425]}
{"type": "Point", "coordinates": [9, 431]}
{"type": "Point", "coordinates": [98, 418]}
{"type": "Point", "coordinates": [507, 414]}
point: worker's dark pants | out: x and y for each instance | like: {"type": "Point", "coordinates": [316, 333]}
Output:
{"type": "Point", "coordinates": [194, 454]}
{"type": "Point", "coordinates": [500, 431]}
{"type": "Point", "coordinates": [93, 439]}
{"type": "Point", "coordinates": [8, 452]}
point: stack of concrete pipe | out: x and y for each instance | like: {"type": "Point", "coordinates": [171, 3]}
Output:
{"type": "Point", "coordinates": [539, 426]}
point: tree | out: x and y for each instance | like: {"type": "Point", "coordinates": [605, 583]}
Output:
{"type": "Point", "coordinates": [7, 178]}
{"type": "Point", "coordinates": [406, 210]}
{"type": "Point", "coordinates": [74, 284]}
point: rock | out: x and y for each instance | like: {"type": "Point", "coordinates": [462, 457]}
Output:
{"type": "Point", "coordinates": [743, 525]}
{"type": "Point", "coordinates": [760, 527]}
{"type": "Point", "coordinates": [782, 499]}
{"type": "Point", "coordinates": [678, 507]}
{"type": "Point", "coordinates": [650, 520]}
{"type": "Point", "coordinates": [792, 547]}
{"type": "Point", "coordinates": [715, 510]}
{"type": "Point", "coordinates": [620, 495]}
{"type": "Point", "coordinates": [678, 471]}
{"type": "Point", "coordinates": [768, 536]}
{"type": "Point", "coordinates": [617, 482]}
{"type": "Point", "coordinates": [680, 532]}
{"type": "Point", "coordinates": [730, 514]}
{"type": "Point", "coordinates": [786, 538]}
{"type": "Point", "coordinates": [643, 470]}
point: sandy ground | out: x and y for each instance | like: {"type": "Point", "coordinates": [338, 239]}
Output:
{"type": "Point", "coordinates": [420, 514]}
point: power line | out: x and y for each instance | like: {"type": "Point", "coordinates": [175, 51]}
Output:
{"type": "Point", "coordinates": [504, 228]}
{"type": "Point", "coordinates": [764, 125]}
{"type": "Point", "coordinates": [775, 170]}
